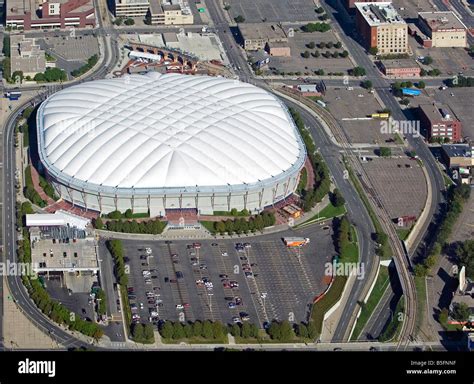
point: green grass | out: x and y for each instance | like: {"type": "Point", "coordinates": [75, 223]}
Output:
{"type": "Point", "coordinates": [328, 212]}
{"type": "Point", "coordinates": [26, 136]}
{"type": "Point", "coordinates": [209, 225]}
{"type": "Point", "coordinates": [326, 303]}
{"type": "Point", "coordinates": [403, 233]}
{"type": "Point", "coordinates": [380, 286]}
{"type": "Point", "coordinates": [126, 307]}
{"type": "Point", "coordinates": [447, 180]}
{"type": "Point", "coordinates": [421, 299]}
{"type": "Point", "coordinates": [393, 328]}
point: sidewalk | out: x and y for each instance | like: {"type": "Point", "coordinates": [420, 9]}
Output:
{"type": "Point", "coordinates": [18, 331]}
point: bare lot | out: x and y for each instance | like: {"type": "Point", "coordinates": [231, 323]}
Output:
{"type": "Point", "coordinates": [400, 185]}
{"type": "Point", "coordinates": [298, 45]}
{"type": "Point", "coordinates": [347, 106]}
{"type": "Point", "coordinates": [255, 11]}
{"type": "Point", "coordinates": [449, 61]}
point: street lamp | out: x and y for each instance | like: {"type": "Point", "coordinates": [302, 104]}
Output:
{"type": "Point", "coordinates": [263, 295]}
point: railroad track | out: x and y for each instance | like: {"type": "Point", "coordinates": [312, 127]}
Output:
{"type": "Point", "coordinates": [400, 258]}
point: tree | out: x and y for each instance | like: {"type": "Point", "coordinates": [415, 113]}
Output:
{"type": "Point", "coordinates": [311, 45]}
{"type": "Point", "coordinates": [178, 331]}
{"type": "Point", "coordinates": [344, 53]}
{"type": "Point", "coordinates": [217, 330]}
{"type": "Point", "coordinates": [118, 21]}
{"type": "Point", "coordinates": [239, 19]}
{"type": "Point", "coordinates": [219, 226]}
{"type": "Point", "coordinates": [421, 84]}
{"type": "Point", "coordinates": [420, 270]}
{"type": "Point", "coordinates": [428, 60]}
{"type": "Point", "coordinates": [148, 333]}
{"type": "Point", "coordinates": [229, 226]}
{"type": "Point", "coordinates": [274, 331]}
{"type": "Point", "coordinates": [430, 261]}
{"type": "Point", "coordinates": [357, 71]}
{"type": "Point", "coordinates": [329, 44]}
{"type": "Point", "coordinates": [315, 54]}
{"type": "Point", "coordinates": [302, 330]}
{"type": "Point", "coordinates": [373, 51]}
{"type": "Point", "coordinates": [235, 330]}
{"type": "Point", "coordinates": [338, 45]}
{"type": "Point", "coordinates": [197, 329]}
{"type": "Point", "coordinates": [129, 21]}
{"type": "Point", "coordinates": [188, 330]}
{"type": "Point", "coordinates": [98, 224]}
{"type": "Point", "coordinates": [17, 76]}
{"type": "Point", "coordinates": [434, 72]}
{"type": "Point", "coordinates": [305, 54]}
{"type": "Point", "coordinates": [227, 7]}
{"type": "Point", "coordinates": [335, 54]}
{"type": "Point", "coordinates": [405, 101]}
{"type": "Point", "coordinates": [319, 10]}
{"type": "Point", "coordinates": [246, 331]}
{"type": "Point", "coordinates": [286, 331]}
{"type": "Point", "coordinates": [321, 45]}
{"type": "Point", "coordinates": [207, 331]}
{"type": "Point", "coordinates": [137, 332]}
{"type": "Point", "coordinates": [461, 312]}
{"type": "Point", "coordinates": [337, 199]}
{"type": "Point", "coordinates": [385, 152]}
{"type": "Point", "coordinates": [367, 84]}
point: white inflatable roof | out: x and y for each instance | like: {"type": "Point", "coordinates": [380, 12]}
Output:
{"type": "Point", "coordinates": [173, 130]}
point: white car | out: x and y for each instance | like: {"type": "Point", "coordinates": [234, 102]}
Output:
{"type": "Point", "coordinates": [179, 306]}
{"type": "Point", "coordinates": [225, 254]}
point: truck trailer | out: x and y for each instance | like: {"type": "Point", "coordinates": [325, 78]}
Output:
{"type": "Point", "coordinates": [295, 241]}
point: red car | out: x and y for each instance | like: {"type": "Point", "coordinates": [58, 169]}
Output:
{"type": "Point", "coordinates": [186, 305]}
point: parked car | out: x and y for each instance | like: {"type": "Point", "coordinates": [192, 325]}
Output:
{"type": "Point", "coordinates": [231, 304]}
{"type": "Point", "coordinates": [179, 306]}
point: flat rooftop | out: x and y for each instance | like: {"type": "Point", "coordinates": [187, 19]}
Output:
{"type": "Point", "coordinates": [441, 21]}
{"type": "Point", "coordinates": [457, 150]}
{"type": "Point", "coordinates": [261, 31]}
{"type": "Point", "coordinates": [437, 112]}
{"type": "Point", "coordinates": [382, 13]}
{"type": "Point", "coordinates": [400, 63]}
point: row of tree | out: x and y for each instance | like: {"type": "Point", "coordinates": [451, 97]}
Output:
{"type": "Point", "coordinates": [316, 27]}
{"type": "Point", "coordinates": [51, 75]}
{"type": "Point", "coordinates": [205, 329]}
{"type": "Point", "coordinates": [342, 233]}
{"type": "Point", "coordinates": [322, 181]}
{"type": "Point", "coordinates": [327, 54]}
{"type": "Point", "coordinates": [128, 214]}
{"type": "Point", "coordinates": [457, 197]}
{"type": "Point", "coordinates": [116, 249]}
{"type": "Point", "coordinates": [152, 227]}
{"type": "Point", "coordinates": [91, 61]}
{"type": "Point", "coordinates": [242, 225]}
{"type": "Point", "coordinates": [322, 44]}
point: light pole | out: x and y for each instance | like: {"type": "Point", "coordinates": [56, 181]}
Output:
{"type": "Point", "coordinates": [263, 295]}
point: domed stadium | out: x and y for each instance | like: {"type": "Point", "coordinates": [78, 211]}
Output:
{"type": "Point", "coordinates": [156, 142]}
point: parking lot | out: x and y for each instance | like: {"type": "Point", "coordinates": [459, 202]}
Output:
{"type": "Point", "coordinates": [273, 10]}
{"type": "Point", "coordinates": [261, 282]}
{"type": "Point", "coordinates": [298, 63]}
{"type": "Point", "coordinates": [450, 61]}
{"type": "Point", "coordinates": [400, 185]}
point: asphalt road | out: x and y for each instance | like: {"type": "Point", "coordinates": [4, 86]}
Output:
{"type": "Point", "coordinates": [18, 291]}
